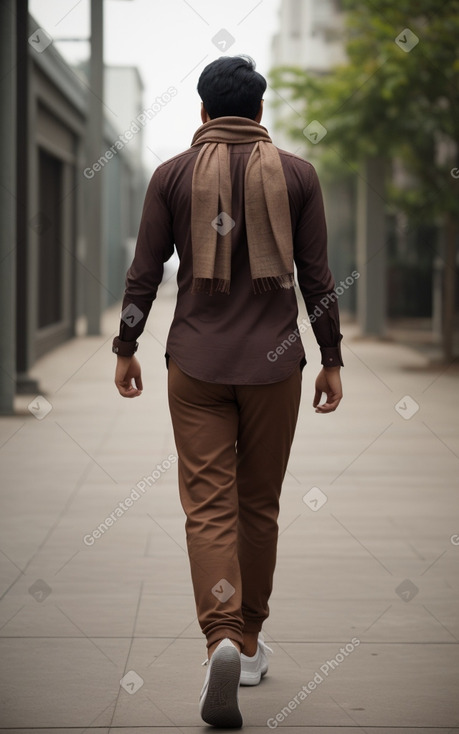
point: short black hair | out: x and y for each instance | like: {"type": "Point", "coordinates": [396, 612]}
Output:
{"type": "Point", "coordinates": [230, 86]}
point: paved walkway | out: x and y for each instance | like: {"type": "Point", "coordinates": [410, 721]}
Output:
{"type": "Point", "coordinates": [364, 622]}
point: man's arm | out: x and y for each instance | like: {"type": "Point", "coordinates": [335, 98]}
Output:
{"type": "Point", "coordinates": [155, 245]}
{"type": "Point", "coordinates": [317, 287]}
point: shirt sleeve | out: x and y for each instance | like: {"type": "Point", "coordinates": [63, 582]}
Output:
{"type": "Point", "coordinates": [155, 245]}
{"type": "Point", "coordinates": [314, 277]}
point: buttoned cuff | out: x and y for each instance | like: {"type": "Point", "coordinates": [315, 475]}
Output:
{"type": "Point", "coordinates": [124, 348]}
{"type": "Point", "coordinates": [331, 356]}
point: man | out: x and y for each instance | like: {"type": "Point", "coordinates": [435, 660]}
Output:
{"type": "Point", "coordinates": [240, 213]}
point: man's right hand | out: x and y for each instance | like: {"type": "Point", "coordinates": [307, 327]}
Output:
{"type": "Point", "coordinates": [329, 382]}
{"type": "Point", "coordinates": [128, 369]}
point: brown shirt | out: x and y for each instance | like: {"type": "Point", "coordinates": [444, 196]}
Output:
{"type": "Point", "coordinates": [240, 338]}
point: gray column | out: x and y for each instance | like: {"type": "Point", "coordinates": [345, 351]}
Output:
{"type": "Point", "coordinates": [27, 193]}
{"type": "Point", "coordinates": [93, 187]}
{"type": "Point", "coordinates": [449, 288]}
{"type": "Point", "coordinates": [371, 250]}
{"type": "Point", "coordinates": [7, 205]}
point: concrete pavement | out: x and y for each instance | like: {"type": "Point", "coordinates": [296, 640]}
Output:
{"type": "Point", "coordinates": [364, 623]}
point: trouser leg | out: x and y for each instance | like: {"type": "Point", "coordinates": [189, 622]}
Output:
{"type": "Point", "coordinates": [267, 422]}
{"type": "Point", "coordinates": [205, 423]}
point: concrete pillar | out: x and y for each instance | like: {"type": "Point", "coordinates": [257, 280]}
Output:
{"type": "Point", "coordinates": [93, 187]}
{"type": "Point", "coordinates": [7, 205]}
{"type": "Point", "coordinates": [449, 288]}
{"type": "Point", "coordinates": [371, 249]}
{"type": "Point", "coordinates": [26, 192]}
{"type": "Point", "coordinates": [437, 300]}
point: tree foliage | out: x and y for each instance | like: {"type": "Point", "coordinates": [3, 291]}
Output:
{"type": "Point", "coordinates": [387, 101]}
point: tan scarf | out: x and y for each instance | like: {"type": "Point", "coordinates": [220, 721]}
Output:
{"type": "Point", "coordinates": [267, 212]}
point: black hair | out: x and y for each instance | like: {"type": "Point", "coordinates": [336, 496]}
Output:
{"type": "Point", "coordinates": [230, 86]}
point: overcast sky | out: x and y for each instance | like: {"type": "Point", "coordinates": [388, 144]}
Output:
{"type": "Point", "coordinates": [170, 41]}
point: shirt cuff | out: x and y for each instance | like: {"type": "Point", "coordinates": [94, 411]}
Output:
{"type": "Point", "coordinates": [331, 356]}
{"type": "Point", "coordinates": [124, 348]}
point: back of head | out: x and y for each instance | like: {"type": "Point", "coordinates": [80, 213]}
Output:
{"type": "Point", "coordinates": [230, 87]}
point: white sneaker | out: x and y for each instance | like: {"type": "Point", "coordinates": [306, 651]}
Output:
{"type": "Point", "coordinates": [219, 701]}
{"type": "Point", "coordinates": [253, 669]}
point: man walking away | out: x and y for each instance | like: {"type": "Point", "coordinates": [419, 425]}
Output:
{"type": "Point", "coordinates": [241, 213]}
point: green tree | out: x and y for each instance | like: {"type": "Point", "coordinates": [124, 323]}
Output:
{"type": "Point", "coordinates": [397, 98]}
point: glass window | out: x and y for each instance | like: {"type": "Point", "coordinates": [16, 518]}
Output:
{"type": "Point", "coordinates": [49, 228]}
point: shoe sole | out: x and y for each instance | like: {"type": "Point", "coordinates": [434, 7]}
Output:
{"type": "Point", "coordinates": [246, 680]}
{"type": "Point", "coordinates": [221, 707]}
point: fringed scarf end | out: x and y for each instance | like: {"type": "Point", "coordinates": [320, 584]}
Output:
{"type": "Point", "coordinates": [273, 282]}
{"type": "Point", "coordinates": [209, 286]}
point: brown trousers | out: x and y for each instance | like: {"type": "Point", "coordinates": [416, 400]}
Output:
{"type": "Point", "coordinates": [233, 444]}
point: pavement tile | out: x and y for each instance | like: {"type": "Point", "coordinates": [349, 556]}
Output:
{"type": "Point", "coordinates": [60, 682]}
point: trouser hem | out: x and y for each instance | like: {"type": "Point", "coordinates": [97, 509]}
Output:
{"type": "Point", "coordinates": [252, 627]}
{"type": "Point", "coordinates": [221, 632]}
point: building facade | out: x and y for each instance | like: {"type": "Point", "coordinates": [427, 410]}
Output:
{"type": "Point", "coordinates": [48, 190]}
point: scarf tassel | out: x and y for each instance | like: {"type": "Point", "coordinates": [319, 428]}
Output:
{"type": "Point", "coordinates": [273, 282]}
{"type": "Point", "coordinates": [209, 286]}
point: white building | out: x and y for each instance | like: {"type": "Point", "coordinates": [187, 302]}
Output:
{"type": "Point", "coordinates": [310, 35]}
{"type": "Point", "coordinates": [124, 103]}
